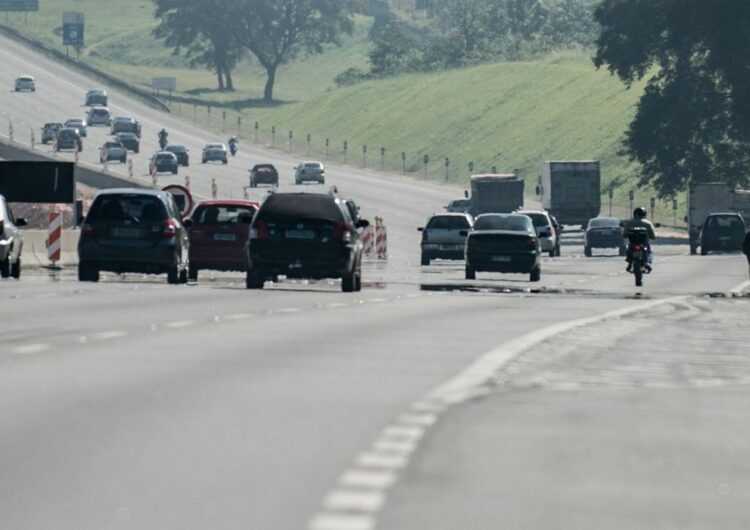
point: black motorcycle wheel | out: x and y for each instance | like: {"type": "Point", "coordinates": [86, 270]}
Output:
{"type": "Point", "coordinates": [638, 272]}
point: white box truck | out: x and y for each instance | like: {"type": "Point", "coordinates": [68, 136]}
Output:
{"type": "Point", "coordinates": [705, 198]}
{"type": "Point", "coordinates": [571, 190]}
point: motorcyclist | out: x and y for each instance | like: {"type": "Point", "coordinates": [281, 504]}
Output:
{"type": "Point", "coordinates": [233, 142]}
{"type": "Point", "coordinates": [639, 221]}
{"type": "Point", "coordinates": [163, 138]}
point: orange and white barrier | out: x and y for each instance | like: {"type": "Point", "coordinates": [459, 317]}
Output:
{"type": "Point", "coordinates": [381, 239]}
{"type": "Point", "coordinates": [33, 138]}
{"type": "Point", "coordinates": [214, 188]}
{"type": "Point", "coordinates": [130, 167]}
{"type": "Point", "coordinates": [187, 181]}
{"type": "Point", "coordinates": [54, 236]}
{"type": "Point", "coordinates": [368, 241]}
{"type": "Point", "coordinates": [153, 174]}
{"type": "Point", "coordinates": [10, 130]}
{"type": "Point", "coordinates": [75, 153]}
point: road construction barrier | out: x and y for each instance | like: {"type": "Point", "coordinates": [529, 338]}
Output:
{"type": "Point", "coordinates": [75, 153]}
{"type": "Point", "coordinates": [381, 239]}
{"type": "Point", "coordinates": [53, 237]}
{"type": "Point", "coordinates": [33, 138]}
{"type": "Point", "coordinates": [245, 193]}
{"type": "Point", "coordinates": [214, 188]}
{"type": "Point", "coordinates": [103, 158]}
{"type": "Point", "coordinates": [153, 175]}
{"type": "Point", "coordinates": [130, 168]}
{"type": "Point", "coordinates": [187, 181]}
{"type": "Point", "coordinates": [10, 130]}
{"type": "Point", "coordinates": [368, 241]}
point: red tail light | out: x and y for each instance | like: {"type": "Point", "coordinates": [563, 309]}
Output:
{"type": "Point", "coordinates": [636, 247]}
{"type": "Point", "coordinates": [87, 230]}
{"type": "Point", "coordinates": [259, 230]}
{"type": "Point", "coordinates": [170, 230]}
{"type": "Point", "coordinates": [342, 232]}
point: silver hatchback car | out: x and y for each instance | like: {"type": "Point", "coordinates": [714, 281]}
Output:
{"type": "Point", "coordinates": [444, 236]}
{"type": "Point", "coordinates": [25, 83]}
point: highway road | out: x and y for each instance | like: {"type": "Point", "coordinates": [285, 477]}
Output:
{"type": "Point", "coordinates": [425, 401]}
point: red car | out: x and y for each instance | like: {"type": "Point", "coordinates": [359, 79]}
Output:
{"type": "Point", "coordinates": [218, 232]}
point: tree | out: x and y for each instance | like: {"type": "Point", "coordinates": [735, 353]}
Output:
{"type": "Point", "coordinates": [275, 31]}
{"type": "Point", "coordinates": [693, 121]}
{"type": "Point", "coordinates": [393, 51]}
{"type": "Point", "coordinates": [198, 27]}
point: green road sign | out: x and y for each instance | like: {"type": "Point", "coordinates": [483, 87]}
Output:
{"type": "Point", "coordinates": [19, 5]}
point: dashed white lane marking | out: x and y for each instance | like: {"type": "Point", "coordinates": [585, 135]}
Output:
{"type": "Point", "coordinates": [289, 310]}
{"type": "Point", "coordinates": [335, 521]}
{"type": "Point", "coordinates": [239, 316]}
{"type": "Point", "coordinates": [362, 490]}
{"type": "Point", "coordinates": [358, 478]}
{"type": "Point", "coordinates": [31, 348]}
{"type": "Point", "coordinates": [381, 461]}
{"type": "Point", "coordinates": [178, 324]}
{"type": "Point", "coordinates": [355, 501]}
{"type": "Point", "coordinates": [106, 335]}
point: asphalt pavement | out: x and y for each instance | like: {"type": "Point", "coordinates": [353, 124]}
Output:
{"type": "Point", "coordinates": [131, 403]}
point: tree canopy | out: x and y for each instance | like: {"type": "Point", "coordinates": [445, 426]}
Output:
{"type": "Point", "coordinates": [693, 122]}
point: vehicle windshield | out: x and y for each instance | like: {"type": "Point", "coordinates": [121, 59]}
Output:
{"type": "Point", "coordinates": [301, 206]}
{"type": "Point", "coordinates": [448, 222]}
{"type": "Point", "coordinates": [313, 165]}
{"type": "Point", "coordinates": [127, 206]}
{"type": "Point", "coordinates": [518, 223]}
{"type": "Point", "coordinates": [539, 219]}
{"type": "Point", "coordinates": [221, 214]}
{"type": "Point", "coordinates": [724, 222]}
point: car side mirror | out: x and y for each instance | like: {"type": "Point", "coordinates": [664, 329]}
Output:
{"type": "Point", "coordinates": [188, 222]}
{"type": "Point", "coordinates": [420, 229]}
{"type": "Point", "coordinates": [20, 221]}
{"type": "Point", "coordinates": [362, 223]}
{"type": "Point", "coordinates": [463, 233]}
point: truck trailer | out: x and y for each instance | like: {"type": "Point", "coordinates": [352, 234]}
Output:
{"type": "Point", "coordinates": [571, 190]}
{"type": "Point", "coordinates": [496, 193]}
{"type": "Point", "coordinates": [705, 198]}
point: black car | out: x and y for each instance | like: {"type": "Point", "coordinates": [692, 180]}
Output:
{"type": "Point", "coordinates": [130, 141]}
{"type": "Point", "coordinates": [304, 235]}
{"type": "Point", "coordinates": [164, 162]}
{"type": "Point", "coordinates": [11, 241]}
{"type": "Point", "coordinates": [49, 130]}
{"type": "Point", "coordinates": [264, 174]}
{"type": "Point", "coordinates": [723, 232]}
{"type": "Point", "coordinates": [96, 97]}
{"type": "Point", "coordinates": [125, 124]}
{"type": "Point", "coordinates": [133, 230]}
{"type": "Point", "coordinates": [181, 152]}
{"type": "Point", "coordinates": [603, 232]}
{"type": "Point", "coordinates": [68, 138]}
{"type": "Point", "coordinates": [503, 243]}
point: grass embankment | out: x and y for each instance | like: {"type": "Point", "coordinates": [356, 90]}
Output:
{"type": "Point", "coordinates": [119, 40]}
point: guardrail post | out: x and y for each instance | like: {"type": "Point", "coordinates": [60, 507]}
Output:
{"type": "Point", "coordinates": [308, 143]}
{"type": "Point", "coordinates": [257, 125]}
{"type": "Point", "coordinates": [403, 161]}
{"type": "Point", "coordinates": [291, 136]}
{"type": "Point", "coordinates": [33, 139]}
{"type": "Point", "coordinates": [328, 142]}
{"type": "Point", "coordinates": [346, 151]}
{"type": "Point", "coordinates": [425, 161]}
{"type": "Point", "coordinates": [382, 158]}
{"type": "Point", "coordinates": [273, 136]}
{"type": "Point", "coordinates": [10, 130]}
{"type": "Point", "coordinates": [223, 121]}
{"type": "Point", "coordinates": [364, 156]}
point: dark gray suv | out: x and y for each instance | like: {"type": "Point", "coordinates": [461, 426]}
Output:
{"type": "Point", "coordinates": [133, 230]}
{"type": "Point", "coordinates": [305, 235]}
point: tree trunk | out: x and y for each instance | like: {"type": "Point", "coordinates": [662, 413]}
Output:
{"type": "Point", "coordinates": [228, 76]}
{"type": "Point", "coordinates": [220, 78]}
{"type": "Point", "coordinates": [270, 80]}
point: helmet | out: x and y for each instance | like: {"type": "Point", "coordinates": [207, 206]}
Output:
{"type": "Point", "coordinates": [639, 212]}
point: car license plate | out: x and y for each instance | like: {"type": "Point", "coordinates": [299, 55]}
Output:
{"type": "Point", "coordinates": [225, 237]}
{"type": "Point", "coordinates": [637, 254]}
{"type": "Point", "coordinates": [501, 259]}
{"type": "Point", "coordinates": [300, 234]}
{"type": "Point", "coordinates": [126, 232]}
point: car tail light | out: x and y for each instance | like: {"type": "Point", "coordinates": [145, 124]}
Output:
{"type": "Point", "coordinates": [169, 230]}
{"type": "Point", "coordinates": [342, 232]}
{"type": "Point", "coordinates": [87, 230]}
{"type": "Point", "coordinates": [259, 230]}
{"type": "Point", "coordinates": [425, 237]}
{"type": "Point", "coordinates": [636, 247]}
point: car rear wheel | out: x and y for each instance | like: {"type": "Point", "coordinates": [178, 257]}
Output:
{"type": "Point", "coordinates": [193, 273]}
{"type": "Point", "coordinates": [587, 251]}
{"type": "Point", "coordinates": [87, 272]}
{"type": "Point", "coordinates": [173, 275]}
{"type": "Point", "coordinates": [184, 276]}
{"type": "Point", "coordinates": [352, 282]}
{"type": "Point", "coordinates": [253, 280]}
{"type": "Point", "coordinates": [704, 250]}
{"type": "Point", "coordinates": [535, 275]}
{"type": "Point", "coordinates": [5, 267]}
{"type": "Point", "coordinates": [425, 260]}
{"type": "Point", "coordinates": [471, 274]}
{"type": "Point", "coordinates": [15, 269]}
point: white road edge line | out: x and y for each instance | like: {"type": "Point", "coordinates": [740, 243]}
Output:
{"type": "Point", "coordinates": [338, 505]}
{"type": "Point", "coordinates": [30, 348]}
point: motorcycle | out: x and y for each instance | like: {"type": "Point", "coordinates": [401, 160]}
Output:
{"type": "Point", "coordinates": [162, 141]}
{"type": "Point", "coordinates": [233, 148]}
{"type": "Point", "coordinates": [638, 253]}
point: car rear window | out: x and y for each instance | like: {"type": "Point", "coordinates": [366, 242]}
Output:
{"type": "Point", "coordinates": [448, 222]}
{"type": "Point", "coordinates": [724, 221]}
{"type": "Point", "coordinates": [176, 148]}
{"type": "Point", "coordinates": [313, 166]}
{"type": "Point", "coordinates": [503, 222]}
{"type": "Point", "coordinates": [604, 222]}
{"type": "Point", "coordinates": [127, 206]}
{"type": "Point", "coordinates": [538, 219]}
{"type": "Point", "coordinates": [301, 206]}
{"type": "Point", "coordinates": [221, 214]}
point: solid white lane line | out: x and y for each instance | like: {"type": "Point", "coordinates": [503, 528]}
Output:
{"type": "Point", "coordinates": [334, 521]}
{"type": "Point", "coordinates": [30, 348]}
{"type": "Point", "coordinates": [381, 461]}
{"type": "Point", "coordinates": [361, 478]}
{"type": "Point", "coordinates": [353, 501]}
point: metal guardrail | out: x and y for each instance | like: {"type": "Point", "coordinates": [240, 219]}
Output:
{"type": "Point", "coordinates": [58, 55]}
